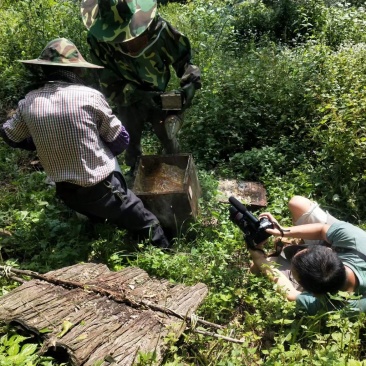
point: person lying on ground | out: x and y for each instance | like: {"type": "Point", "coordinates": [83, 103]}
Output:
{"type": "Point", "coordinates": [332, 259]}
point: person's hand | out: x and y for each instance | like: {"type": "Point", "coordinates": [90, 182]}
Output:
{"type": "Point", "coordinates": [150, 99]}
{"type": "Point", "coordinates": [258, 257]}
{"type": "Point", "coordinates": [277, 228]}
{"type": "Point", "coordinates": [188, 92]}
{"type": "Point", "coordinates": [269, 216]}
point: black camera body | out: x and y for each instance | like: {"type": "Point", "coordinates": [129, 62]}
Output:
{"type": "Point", "coordinates": [254, 230]}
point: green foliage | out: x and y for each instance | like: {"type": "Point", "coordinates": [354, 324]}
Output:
{"type": "Point", "coordinates": [297, 22]}
{"type": "Point", "coordinates": [283, 102]}
{"type": "Point", "coordinates": [285, 21]}
{"type": "Point", "coordinates": [339, 134]}
{"type": "Point", "coordinates": [243, 107]}
{"type": "Point", "coordinates": [146, 359]}
{"type": "Point", "coordinates": [271, 113]}
{"type": "Point", "coordinates": [42, 21]}
{"type": "Point", "coordinates": [17, 350]}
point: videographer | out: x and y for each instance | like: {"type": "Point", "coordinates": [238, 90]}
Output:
{"type": "Point", "coordinates": [332, 259]}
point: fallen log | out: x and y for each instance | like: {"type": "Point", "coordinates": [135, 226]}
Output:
{"type": "Point", "coordinates": [94, 313]}
{"type": "Point", "coordinates": [104, 292]}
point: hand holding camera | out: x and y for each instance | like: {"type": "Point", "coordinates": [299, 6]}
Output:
{"type": "Point", "coordinates": [254, 229]}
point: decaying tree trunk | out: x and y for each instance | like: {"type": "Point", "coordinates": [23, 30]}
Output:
{"type": "Point", "coordinates": [94, 327]}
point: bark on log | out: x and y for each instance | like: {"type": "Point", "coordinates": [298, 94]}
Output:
{"type": "Point", "coordinates": [106, 290]}
{"type": "Point", "coordinates": [92, 327]}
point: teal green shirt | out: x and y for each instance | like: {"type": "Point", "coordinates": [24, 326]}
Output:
{"type": "Point", "coordinates": [346, 239]}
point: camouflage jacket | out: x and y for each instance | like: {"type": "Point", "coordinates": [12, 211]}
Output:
{"type": "Point", "coordinates": [126, 72]}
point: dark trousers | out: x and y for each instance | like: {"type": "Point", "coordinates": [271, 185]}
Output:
{"type": "Point", "coordinates": [111, 200]}
{"type": "Point", "coordinates": [134, 118]}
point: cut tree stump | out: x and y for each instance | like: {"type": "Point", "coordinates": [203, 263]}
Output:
{"type": "Point", "coordinates": [96, 329]}
{"type": "Point", "coordinates": [251, 194]}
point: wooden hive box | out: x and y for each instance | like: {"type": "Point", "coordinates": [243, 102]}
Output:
{"type": "Point", "coordinates": [168, 186]}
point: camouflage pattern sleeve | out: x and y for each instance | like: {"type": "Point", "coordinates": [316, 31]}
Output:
{"type": "Point", "coordinates": [107, 78]}
{"type": "Point", "coordinates": [179, 49]}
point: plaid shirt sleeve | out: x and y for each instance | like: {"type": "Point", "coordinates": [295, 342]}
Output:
{"type": "Point", "coordinates": [111, 129]}
{"type": "Point", "coordinates": [15, 128]}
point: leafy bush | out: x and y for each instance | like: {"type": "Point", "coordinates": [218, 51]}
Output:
{"type": "Point", "coordinates": [253, 102]}
{"type": "Point", "coordinates": [298, 22]}
{"type": "Point", "coordinates": [285, 21]}
{"type": "Point", "coordinates": [27, 26]}
{"type": "Point", "coordinates": [282, 102]}
{"type": "Point", "coordinates": [18, 350]}
{"type": "Point", "coordinates": [345, 24]}
{"type": "Point", "coordinates": [339, 134]}
{"type": "Point", "coordinates": [260, 115]}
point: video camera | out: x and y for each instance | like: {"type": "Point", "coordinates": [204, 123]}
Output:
{"type": "Point", "coordinates": [254, 230]}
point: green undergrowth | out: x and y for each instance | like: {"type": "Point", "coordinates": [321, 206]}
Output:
{"type": "Point", "coordinates": [282, 103]}
{"type": "Point", "coordinates": [45, 235]}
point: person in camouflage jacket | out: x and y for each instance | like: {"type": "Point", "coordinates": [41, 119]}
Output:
{"type": "Point", "coordinates": [137, 47]}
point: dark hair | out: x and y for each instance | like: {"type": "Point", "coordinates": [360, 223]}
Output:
{"type": "Point", "coordinates": [319, 270]}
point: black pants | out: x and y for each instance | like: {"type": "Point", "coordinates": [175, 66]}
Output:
{"type": "Point", "coordinates": [133, 118]}
{"type": "Point", "coordinates": [111, 199]}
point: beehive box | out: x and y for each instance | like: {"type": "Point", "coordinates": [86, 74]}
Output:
{"type": "Point", "coordinates": [168, 186]}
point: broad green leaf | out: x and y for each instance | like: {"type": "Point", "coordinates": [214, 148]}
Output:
{"type": "Point", "coordinates": [66, 326]}
{"type": "Point", "coordinates": [29, 349]}
{"type": "Point", "coordinates": [13, 349]}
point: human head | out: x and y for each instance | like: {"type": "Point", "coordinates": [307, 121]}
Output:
{"type": "Point", "coordinates": [319, 270]}
{"type": "Point", "coordinates": [61, 52]}
{"type": "Point", "coordinates": [117, 21]}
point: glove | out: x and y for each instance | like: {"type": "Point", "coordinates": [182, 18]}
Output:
{"type": "Point", "coordinates": [188, 92]}
{"type": "Point", "coordinates": [149, 99]}
{"type": "Point", "coordinates": [152, 100]}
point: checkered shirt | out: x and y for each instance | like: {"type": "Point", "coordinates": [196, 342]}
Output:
{"type": "Point", "coordinates": [69, 125]}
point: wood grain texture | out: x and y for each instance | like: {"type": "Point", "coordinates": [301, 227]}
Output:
{"type": "Point", "coordinates": [92, 327]}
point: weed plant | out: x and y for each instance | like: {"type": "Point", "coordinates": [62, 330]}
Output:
{"type": "Point", "coordinates": [282, 103]}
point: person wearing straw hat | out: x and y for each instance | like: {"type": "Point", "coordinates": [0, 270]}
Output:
{"type": "Point", "coordinates": [137, 47]}
{"type": "Point", "coordinates": [76, 136]}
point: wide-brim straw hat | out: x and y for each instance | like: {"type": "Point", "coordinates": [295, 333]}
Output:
{"type": "Point", "coordinates": [61, 52]}
{"type": "Point", "coordinates": [118, 21]}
